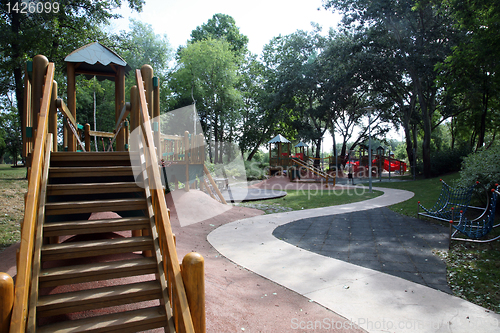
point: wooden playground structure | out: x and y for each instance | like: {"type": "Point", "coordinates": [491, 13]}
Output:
{"type": "Point", "coordinates": [359, 165]}
{"type": "Point", "coordinates": [65, 259]}
{"type": "Point", "coordinates": [281, 160]}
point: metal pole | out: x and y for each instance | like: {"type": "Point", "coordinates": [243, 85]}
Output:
{"type": "Point", "coordinates": [389, 165]}
{"type": "Point", "coordinates": [369, 109]}
{"type": "Point", "coordinates": [370, 148]}
{"type": "Point", "coordinates": [380, 166]}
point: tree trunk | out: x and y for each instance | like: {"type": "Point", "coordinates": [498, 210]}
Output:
{"type": "Point", "coordinates": [426, 144]}
{"type": "Point", "coordinates": [210, 133]}
{"type": "Point", "coordinates": [482, 129]}
{"type": "Point", "coordinates": [18, 70]}
{"type": "Point", "coordinates": [216, 137]}
{"type": "Point", "coordinates": [406, 128]}
{"type": "Point", "coordinates": [425, 106]}
{"type": "Point", "coordinates": [221, 144]}
{"type": "Point", "coordinates": [452, 132]}
{"type": "Point", "coordinates": [318, 152]}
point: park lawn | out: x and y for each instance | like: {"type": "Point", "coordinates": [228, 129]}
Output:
{"type": "Point", "coordinates": [13, 186]}
{"type": "Point", "coordinates": [426, 191]}
{"type": "Point", "coordinates": [473, 269]}
{"type": "Point", "coordinates": [299, 199]}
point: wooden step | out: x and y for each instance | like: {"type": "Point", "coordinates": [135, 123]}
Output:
{"type": "Point", "coordinates": [83, 300]}
{"type": "Point", "coordinates": [94, 206]}
{"type": "Point", "coordinates": [124, 322]}
{"type": "Point", "coordinates": [94, 226]}
{"type": "Point", "coordinates": [70, 250]}
{"type": "Point", "coordinates": [86, 156]}
{"type": "Point", "coordinates": [92, 188]}
{"type": "Point", "coordinates": [58, 276]}
{"type": "Point", "coordinates": [101, 171]}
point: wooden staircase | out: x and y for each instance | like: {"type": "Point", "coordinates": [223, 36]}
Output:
{"type": "Point", "coordinates": [118, 274]}
{"type": "Point", "coordinates": [96, 280]}
{"type": "Point", "coordinates": [313, 169]}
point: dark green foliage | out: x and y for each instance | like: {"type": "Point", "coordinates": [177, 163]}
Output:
{"type": "Point", "coordinates": [222, 26]}
{"type": "Point", "coordinates": [446, 161]}
{"type": "Point", "coordinates": [255, 170]}
{"type": "Point", "coordinates": [482, 166]}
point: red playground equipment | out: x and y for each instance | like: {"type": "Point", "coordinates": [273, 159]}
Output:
{"type": "Point", "coordinates": [379, 163]}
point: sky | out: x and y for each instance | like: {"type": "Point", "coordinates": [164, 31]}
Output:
{"type": "Point", "coordinates": [259, 20]}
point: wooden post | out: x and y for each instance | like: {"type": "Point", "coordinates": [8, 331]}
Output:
{"type": "Point", "coordinates": [193, 275]}
{"type": "Point", "coordinates": [65, 135]}
{"type": "Point", "coordinates": [26, 120]}
{"type": "Point", "coordinates": [71, 102]}
{"type": "Point", "coordinates": [201, 147]}
{"type": "Point", "coordinates": [6, 301]}
{"type": "Point", "coordinates": [53, 116]}
{"type": "Point", "coordinates": [40, 64]}
{"type": "Point", "coordinates": [147, 77]}
{"type": "Point", "coordinates": [87, 137]}
{"type": "Point", "coordinates": [134, 108]}
{"type": "Point", "coordinates": [127, 134]}
{"type": "Point", "coordinates": [279, 154]}
{"type": "Point", "coordinates": [119, 104]}
{"type": "Point", "coordinates": [156, 114]}
{"type": "Point", "coordinates": [270, 155]}
{"type": "Point", "coordinates": [186, 158]}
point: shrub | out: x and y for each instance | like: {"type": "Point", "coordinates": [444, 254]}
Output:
{"type": "Point", "coordinates": [482, 166]}
{"type": "Point", "coordinates": [445, 161]}
{"type": "Point", "coordinates": [255, 170]}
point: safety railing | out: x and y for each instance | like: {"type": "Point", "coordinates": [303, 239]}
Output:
{"type": "Point", "coordinates": [24, 264]}
{"type": "Point", "coordinates": [179, 302]}
{"type": "Point", "coordinates": [183, 149]}
{"type": "Point", "coordinates": [312, 169]}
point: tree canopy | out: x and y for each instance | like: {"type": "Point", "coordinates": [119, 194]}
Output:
{"type": "Point", "coordinates": [429, 67]}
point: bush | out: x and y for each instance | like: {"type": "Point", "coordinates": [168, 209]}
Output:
{"type": "Point", "coordinates": [482, 166]}
{"type": "Point", "coordinates": [445, 161]}
{"type": "Point", "coordinates": [255, 170]}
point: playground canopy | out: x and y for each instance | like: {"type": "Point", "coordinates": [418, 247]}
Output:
{"type": "Point", "coordinates": [280, 157]}
{"type": "Point", "coordinates": [279, 138]}
{"type": "Point", "coordinates": [97, 60]}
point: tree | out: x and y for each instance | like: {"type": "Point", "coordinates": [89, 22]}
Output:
{"type": "Point", "coordinates": [470, 73]}
{"type": "Point", "coordinates": [208, 70]}
{"type": "Point", "coordinates": [222, 26]}
{"type": "Point", "coordinates": [54, 33]}
{"type": "Point", "coordinates": [139, 46]}
{"type": "Point", "coordinates": [298, 82]}
{"type": "Point", "coordinates": [419, 36]}
{"type": "Point", "coordinates": [10, 135]}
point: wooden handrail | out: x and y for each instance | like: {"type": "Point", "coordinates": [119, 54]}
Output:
{"type": "Point", "coordinates": [23, 278]}
{"type": "Point", "coordinates": [123, 114]}
{"type": "Point", "coordinates": [161, 211]}
{"type": "Point", "coordinates": [312, 168]}
{"type": "Point", "coordinates": [119, 124]}
{"type": "Point", "coordinates": [101, 134]}
{"type": "Point", "coordinates": [65, 111]}
{"type": "Point", "coordinates": [216, 189]}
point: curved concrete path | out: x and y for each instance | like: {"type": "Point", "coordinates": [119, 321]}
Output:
{"type": "Point", "coordinates": [374, 301]}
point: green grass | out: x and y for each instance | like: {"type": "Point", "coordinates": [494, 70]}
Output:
{"type": "Point", "coordinates": [298, 199]}
{"type": "Point", "coordinates": [13, 185]}
{"type": "Point", "coordinates": [426, 191]}
{"type": "Point", "coordinates": [473, 269]}
{"type": "Point", "coordinates": [474, 273]}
